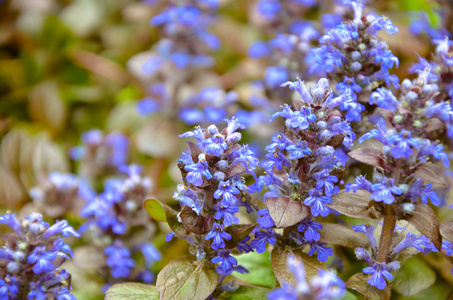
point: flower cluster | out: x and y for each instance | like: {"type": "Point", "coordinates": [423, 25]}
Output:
{"type": "Point", "coordinates": [380, 270]}
{"type": "Point", "coordinates": [56, 194]}
{"type": "Point", "coordinates": [285, 54]}
{"type": "Point", "coordinates": [114, 215]}
{"type": "Point", "coordinates": [31, 259]}
{"type": "Point", "coordinates": [302, 161]}
{"type": "Point", "coordinates": [354, 56]}
{"type": "Point", "coordinates": [213, 191]}
{"type": "Point", "coordinates": [326, 285]}
{"type": "Point", "coordinates": [185, 36]}
{"type": "Point", "coordinates": [283, 16]}
{"type": "Point", "coordinates": [101, 154]}
{"type": "Point", "coordinates": [406, 130]}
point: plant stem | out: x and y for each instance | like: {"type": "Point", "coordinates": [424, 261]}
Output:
{"type": "Point", "coordinates": [387, 232]}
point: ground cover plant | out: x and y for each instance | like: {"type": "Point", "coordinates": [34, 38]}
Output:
{"type": "Point", "coordinates": [223, 149]}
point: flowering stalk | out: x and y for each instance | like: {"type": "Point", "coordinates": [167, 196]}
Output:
{"type": "Point", "coordinates": [31, 259]}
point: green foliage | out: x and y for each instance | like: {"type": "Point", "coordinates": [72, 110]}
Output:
{"type": "Point", "coordinates": [132, 291]}
{"type": "Point", "coordinates": [413, 276]}
{"type": "Point", "coordinates": [260, 269]}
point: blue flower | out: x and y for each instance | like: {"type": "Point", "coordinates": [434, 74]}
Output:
{"type": "Point", "coordinates": [368, 230]}
{"type": "Point", "coordinates": [328, 182]}
{"type": "Point", "coordinates": [295, 120]}
{"type": "Point", "coordinates": [275, 76]}
{"type": "Point", "coordinates": [384, 98]}
{"type": "Point", "coordinates": [218, 235]}
{"type": "Point", "coordinates": [322, 250]}
{"type": "Point", "coordinates": [411, 240]}
{"type": "Point", "coordinates": [299, 150]}
{"type": "Point", "coordinates": [278, 141]}
{"type": "Point", "coordinates": [310, 227]}
{"type": "Point", "coordinates": [10, 220]}
{"type": "Point", "coordinates": [425, 192]}
{"type": "Point", "coordinates": [9, 287]}
{"type": "Point", "coordinates": [447, 246]}
{"type": "Point", "coordinates": [274, 159]}
{"type": "Point", "coordinates": [119, 260]}
{"type": "Point", "coordinates": [216, 145]}
{"type": "Point", "coordinates": [360, 183]}
{"type": "Point", "coordinates": [188, 198]}
{"type": "Point", "coordinates": [227, 192]}
{"type": "Point", "coordinates": [41, 260]}
{"type": "Point", "coordinates": [227, 213]}
{"type": "Point", "coordinates": [385, 191]}
{"type": "Point", "coordinates": [380, 271]}
{"type": "Point", "coordinates": [196, 171]}
{"type": "Point", "coordinates": [227, 262]}
{"type": "Point", "coordinates": [265, 220]}
{"type": "Point", "coordinates": [317, 201]}
{"type": "Point", "coordinates": [402, 144]}
{"type": "Point", "coordinates": [261, 237]}
{"type": "Point", "coordinates": [61, 227]}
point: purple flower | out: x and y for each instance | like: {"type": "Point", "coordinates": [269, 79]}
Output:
{"type": "Point", "coordinates": [297, 119]}
{"type": "Point", "coordinates": [402, 143]}
{"type": "Point", "coordinates": [310, 227]}
{"type": "Point", "coordinates": [10, 220]}
{"type": "Point", "coordinates": [216, 145]}
{"type": "Point", "coordinates": [119, 260]}
{"type": "Point", "coordinates": [41, 260]}
{"type": "Point", "coordinates": [261, 237]}
{"type": "Point", "coordinates": [323, 251]}
{"type": "Point", "coordinates": [369, 232]}
{"type": "Point", "coordinates": [227, 192]}
{"type": "Point", "coordinates": [380, 271]}
{"type": "Point", "coordinates": [218, 235]}
{"type": "Point", "coordinates": [447, 246]}
{"type": "Point", "coordinates": [227, 213]}
{"type": "Point", "coordinates": [9, 287]}
{"type": "Point", "coordinates": [265, 220]}
{"type": "Point", "coordinates": [274, 159]}
{"type": "Point", "coordinates": [227, 262]}
{"type": "Point", "coordinates": [384, 98]}
{"type": "Point", "coordinates": [316, 200]}
{"type": "Point", "coordinates": [196, 171]}
{"type": "Point", "coordinates": [61, 227]}
{"type": "Point", "coordinates": [385, 191]}
{"type": "Point", "coordinates": [412, 240]}
{"type": "Point", "coordinates": [425, 192]}
{"type": "Point", "coordinates": [328, 182]}
{"type": "Point", "coordinates": [299, 150]}
{"type": "Point", "coordinates": [360, 183]}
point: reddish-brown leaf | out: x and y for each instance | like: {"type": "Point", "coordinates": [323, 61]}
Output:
{"type": "Point", "coordinates": [195, 223]}
{"type": "Point", "coordinates": [286, 212]}
{"type": "Point", "coordinates": [341, 235]}
{"type": "Point", "coordinates": [368, 155]}
{"type": "Point", "coordinates": [432, 174]}
{"type": "Point", "coordinates": [426, 221]}
{"type": "Point", "coordinates": [356, 205]}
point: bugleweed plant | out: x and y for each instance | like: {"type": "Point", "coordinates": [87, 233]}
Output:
{"type": "Point", "coordinates": [348, 122]}
{"type": "Point", "coordinates": [344, 193]}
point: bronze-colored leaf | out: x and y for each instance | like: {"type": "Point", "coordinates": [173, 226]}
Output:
{"type": "Point", "coordinates": [341, 235]}
{"type": "Point", "coordinates": [183, 279]}
{"type": "Point", "coordinates": [425, 220]}
{"type": "Point", "coordinates": [432, 174]}
{"type": "Point", "coordinates": [359, 283]}
{"type": "Point", "coordinates": [386, 114]}
{"type": "Point", "coordinates": [15, 145]}
{"type": "Point", "coordinates": [236, 169]}
{"type": "Point", "coordinates": [238, 232]}
{"type": "Point", "coordinates": [356, 205]}
{"type": "Point", "coordinates": [433, 124]}
{"type": "Point", "coordinates": [193, 222]}
{"type": "Point", "coordinates": [279, 259]}
{"type": "Point", "coordinates": [286, 212]}
{"type": "Point", "coordinates": [11, 191]}
{"type": "Point", "coordinates": [194, 151]}
{"type": "Point", "coordinates": [446, 230]}
{"type": "Point", "coordinates": [368, 155]}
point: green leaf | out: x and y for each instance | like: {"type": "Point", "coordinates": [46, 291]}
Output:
{"type": "Point", "coordinates": [244, 293]}
{"type": "Point", "coordinates": [349, 296]}
{"type": "Point", "coordinates": [132, 291]}
{"type": "Point", "coordinates": [284, 275]}
{"type": "Point", "coordinates": [184, 279]}
{"type": "Point", "coordinates": [155, 210]}
{"type": "Point", "coordinates": [260, 268]}
{"type": "Point", "coordinates": [413, 276]}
